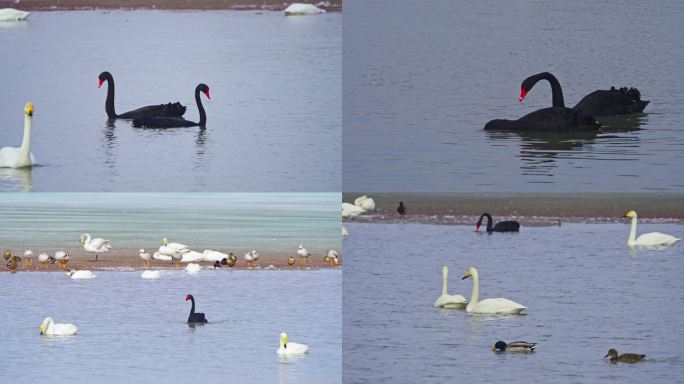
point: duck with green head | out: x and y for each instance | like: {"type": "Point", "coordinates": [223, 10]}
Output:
{"type": "Point", "coordinates": [513, 346]}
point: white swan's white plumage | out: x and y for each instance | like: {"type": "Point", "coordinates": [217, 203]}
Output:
{"type": "Point", "coordinates": [48, 327]}
{"type": "Point", "coordinates": [366, 203]}
{"type": "Point", "coordinates": [82, 274]}
{"type": "Point", "coordinates": [11, 14]}
{"type": "Point", "coordinates": [351, 210]}
{"type": "Point", "coordinates": [287, 348]}
{"type": "Point", "coordinates": [496, 306]}
{"type": "Point", "coordinates": [344, 232]}
{"type": "Point", "coordinates": [212, 256]}
{"type": "Point", "coordinates": [193, 268]}
{"type": "Point", "coordinates": [161, 257]}
{"type": "Point", "coordinates": [169, 248]}
{"type": "Point", "coordinates": [653, 239]}
{"type": "Point", "coordinates": [150, 274]}
{"type": "Point", "coordinates": [446, 300]}
{"type": "Point", "coordinates": [191, 257]}
{"type": "Point", "coordinates": [11, 157]}
{"type": "Point", "coordinates": [95, 245]}
{"type": "Point", "coordinates": [301, 9]}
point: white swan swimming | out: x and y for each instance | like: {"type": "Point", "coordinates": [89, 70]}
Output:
{"type": "Point", "coordinates": [366, 203]}
{"type": "Point", "coordinates": [150, 274]}
{"type": "Point", "coordinates": [161, 257]}
{"type": "Point", "coordinates": [95, 246]}
{"type": "Point", "coordinates": [193, 268]}
{"type": "Point", "coordinates": [11, 157]}
{"type": "Point", "coordinates": [351, 210]}
{"type": "Point", "coordinates": [301, 9]}
{"type": "Point", "coordinates": [291, 348]}
{"type": "Point", "coordinates": [446, 300]}
{"type": "Point", "coordinates": [145, 256]}
{"type": "Point", "coordinates": [213, 256]}
{"type": "Point", "coordinates": [82, 274]}
{"type": "Point", "coordinates": [652, 239]}
{"type": "Point", "coordinates": [496, 306]}
{"type": "Point", "coordinates": [11, 14]}
{"type": "Point", "coordinates": [48, 327]}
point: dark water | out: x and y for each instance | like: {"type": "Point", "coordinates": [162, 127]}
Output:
{"type": "Point", "coordinates": [273, 122]}
{"type": "Point", "coordinates": [133, 330]}
{"type": "Point", "coordinates": [422, 78]}
{"type": "Point", "coordinates": [585, 290]}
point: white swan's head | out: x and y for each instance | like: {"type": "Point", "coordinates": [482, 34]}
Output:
{"type": "Point", "coordinates": [301, 246]}
{"type": "Point", "coordinates": [631, 214]}
{"type": "Point", "coordinates": [142, 251]}
{"type": "Point", "coordinates": [470, 272]}
{"type": "Point", "coordinates": [283, 339]}
{"type": "Point", "coordinates": [445, 270]}
{"type": "Point", "coordinates": [28, 109]}
{"type": "Point", "coordinates": [45, 324]}
{"type": "Point", "coordinates": [83, 238]}
{"type": "Point", "coordinates": [165, 241]}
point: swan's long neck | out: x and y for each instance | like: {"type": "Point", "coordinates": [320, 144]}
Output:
{"type": "Point", "coordinates": [192, 309]}
{"type": "Point", "coordinates": [556, 89]}
{"type": "Point", "coordinates": [632, 232]}
{"type": "Point", "coordinates": [25, 151]}
{"type": "Point", "coordinates": [445, 274]}
{"type": "Point", "coordinates": [87, 238]}
{"type": "Point", "coordinates": [202, 113]}
{"type": "Point", "coordinates": [489, 222]}
{"type": "Point", "coordinates": [109, 103]}
{"type": "Point", "coordinates": [475, 296]}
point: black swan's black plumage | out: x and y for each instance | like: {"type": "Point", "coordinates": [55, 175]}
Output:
{"type": "Point", "coordinates": [557, 118]}
{"type": "Point", "coordinates": [501, 226]}
{"type": "Point", "coordinates": [168, 109]}
{"type": "Point", "coordinates": [612, 102]}
{"type": "Point", "coordinates": [195, 317]}
{"type": "Point", "coordinates": [401, 209]}
{"type": "Point", "coordinates": [176, 122]}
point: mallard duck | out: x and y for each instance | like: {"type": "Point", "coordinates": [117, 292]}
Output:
{"type": "Point", "coordinates": [513, 346]}
{"type": "Point", "coordinates": [624, 358]}
{"type": "Point", "coordinates": [231, 261]}
{"type": "Point", "coordinates": [28, 258]}
{"type": "Point", "coordinates": [7, 255]}
{"type": "Point", "coordinates": [12, 264]}
{"type": "Point", "coordinates": [290, 260]}
{"type": "Point", "coordinates": [231, 256]}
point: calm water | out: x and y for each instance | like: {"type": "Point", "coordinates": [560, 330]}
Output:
{"type": "Point", "coordinates": [586, 292]}
{"type": "Point", "coordinates": [273, 122]}
{"type": "Point", "coordinates": [422, 78]}
{"type": "Point", "coordinates": [133, 330]}
{"type": "Point", "coordinates": [268, 221]}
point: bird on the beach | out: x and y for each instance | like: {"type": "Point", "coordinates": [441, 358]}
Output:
{"type": "Point", "coordinates": [145, 256]}
{"type": "Point", "coordinates": [7, 255]}
{"type": "Point", "coordinates": [44, 258]}
{"type": "Point", "coordinates": [351, 211]}
{"type": "Point", "coordinates": [514, 346]}
{"type": "Point", "coordinates": [401, 209]}
{"type": "Point", "coordinates": [303, 253]}
{"type": "Point", "coordinates": [195, 317]}
{"type": "Point", "coordinates": [28, 258]}
{"type": "Point", "coordinates": [95, 246]}
{"type": "Point", "coordinates": [251, 258]}
{"type": "Point", "coordinates": [217, 264]}
{"type": "Point", "coordinates": [169, 248]}
{"type": "Point", "coordinates": [177, 257]}
{"type": "Point", "coordinates": [290, 260]}
{"type": "Point", "coordinates": [366, 203]}
{"type": "Point", "coordinates": [624, 358]}
{"type": "Point", "coordinates": [332, 257]}
{"type": "Point", "coordinates": [12, 264]}
{"type": "Point", "coordinates": [161, 257]}
{"type": "Point", "coordinates": [291, 348]}
{"type": "Point", "coordinates": [62, 257]}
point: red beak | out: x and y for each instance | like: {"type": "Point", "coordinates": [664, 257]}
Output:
{"type": "Point", "coordinates": [100, 83]}
{"type": "Point", "coordinates": [187, 298]}
{"type": "Point", "coordinates": [523, 93]}
{"type": "Point", "coordinates": [477, 227]}
{"type": "Point", "coordinates": [207, 93]}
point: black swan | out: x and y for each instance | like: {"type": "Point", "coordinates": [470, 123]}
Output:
{"type": "Point", "coordinates": [194, 317]}
{"type": "Point", "coordinates": [169, 109]}
{"type": "Point", "coordinates": [557, 118]}
{"type": "Point", "coordinates": [501, 226]}
{"type": "Point", "coordinates": [401, 209]}
{"type": "Point", "coordinates": [174, 122]}
{"type": "Point", "coordinates": [612, 102]}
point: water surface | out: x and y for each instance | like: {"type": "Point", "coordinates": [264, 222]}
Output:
{"type": "Point", "coordinates": [585, 290]}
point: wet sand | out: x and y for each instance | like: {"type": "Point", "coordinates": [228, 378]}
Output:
{"type": "Point", "coordinates": [528, 208]}
{"type": "Point", "coordinates": [237, 5]}
{"type": "Point", "coordinates": [128, 259]}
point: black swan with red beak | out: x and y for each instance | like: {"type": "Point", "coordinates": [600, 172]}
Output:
{"type": "Point", "coordinates": [195, 317]}
{"type": "Point", "coordinates": [501, 226]}
{"type": "Point", "coordinates": [176, 122]}
{"type": "Point", "coordinates": [169, 109]}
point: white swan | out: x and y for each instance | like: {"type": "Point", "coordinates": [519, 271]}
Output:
{"type": "Point", "coordinates": [150, 274]}
{"type": "Point", "coordinates": [11, 14]}
{"type": "Point", "coordinates": [169, 248]}
{"type": "Point", "coordinates": [95, 246]}
{"type": "Point", "coordinates": [83, 274]}
{"type": "Point", "coordinates": [300, 9]}
{"type": "Point", "coordinates": [446, 300]}
{"type": "Point", "coordinates": [366, 203]}
{"type": "Point", "coordinates": [11, 157]}
{"type": "Point", "coordinates": [191, 257]}
{"type": "Point", "coordinates": [161, 257]}
{"type": "Point", "coordinates": [652, 239]}
{"type": "Point", "coordinates": [291, 348]}
{"type": "Point", "coordinates": [145, 256]}
{"type": "Point", "coordinates": [212, 256]}
{"type": "Point", "coordinates": [496, 306]}
{"type": "Point", "coordinates": [50, 328]}
{"type": "Point", "coordinates": [193, 268]}
{"type": "Point", "coordinates": [351, 210]}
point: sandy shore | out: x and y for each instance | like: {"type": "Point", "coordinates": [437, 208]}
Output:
{"type": "Point", "coordinates": [528, 208]}
{"type": "Point", "coordinates": [68, 5]}
{"type": "Point", "coordinates": [128, 259]}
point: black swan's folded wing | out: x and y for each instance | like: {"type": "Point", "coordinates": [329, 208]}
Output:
{"type": "Point", "coordinates": [162, 110]}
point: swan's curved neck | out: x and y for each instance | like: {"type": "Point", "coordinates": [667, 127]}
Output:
{"type": "Point", "coordinates": [109, 103]}
{"type": "Point", "coordinates": [192, 309]}
{"type": "Point", "coordinates": [556, 91]}
{"type": "Point", "coordinates": [25, 151]}
{"type": "Point", "coordinates": [489, 222]}
{"type": "Point", "coordinates": [87, 238]}
{"type": "Point", "coordinates": [475, 296]}
{"type": "Point", "coordinates": [445, 274]}
{"type": "Point", "coordinates": [632, 232]}
{"type": "Point", "coordinates": [202, 113]}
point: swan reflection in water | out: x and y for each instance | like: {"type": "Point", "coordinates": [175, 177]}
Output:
{"type": "Point", "coordinates": [16, 179]}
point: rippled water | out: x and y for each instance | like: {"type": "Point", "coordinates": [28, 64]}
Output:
{"type": "Point", "coordinates": [423, 78]}
{"type": "Point", "coordinates": [273, 121]}
{"type": "Point", "coordinates": [585, 290]}
{"type": "Point", "coordinates": [134, 330]}
{"type": "Point", "coordinates": [267, 221]}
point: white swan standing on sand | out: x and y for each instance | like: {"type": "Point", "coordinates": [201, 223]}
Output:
{"type": "Point", "coordinates": [82, 274]}
{"type": "Point", "coordinates": [11, 14]}
{"type": "Point", "coordinates": [291, 348]}
{"type": "Point", "coordinates": [95, 245]}
{"type": "Point", "coordinates": [145, 256]}
{"type": "Point", "coordinates": [351, 210]}
{"type": "Point", "coordinates": [11, 157]}
{"type": "Point", "coordinates": [150, 274]}
{"type": "Point", "coordinates": [446, 300]}
{"type": "Point", "coordinates": [193, 268]}
{"type": "Point", "coordinates": [652, 239]}
{"type": "Point", "coordinates": [366, 203]}
{"type": "Point", "coordinates": [50, 328]}
{"type": "Point", "coordinates": [301, 9]}
{"type": "Point", "coordinates": [496, 306]}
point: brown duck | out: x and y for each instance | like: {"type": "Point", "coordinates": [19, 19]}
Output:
{"type": "Point", "coordinates": [624, 358]}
